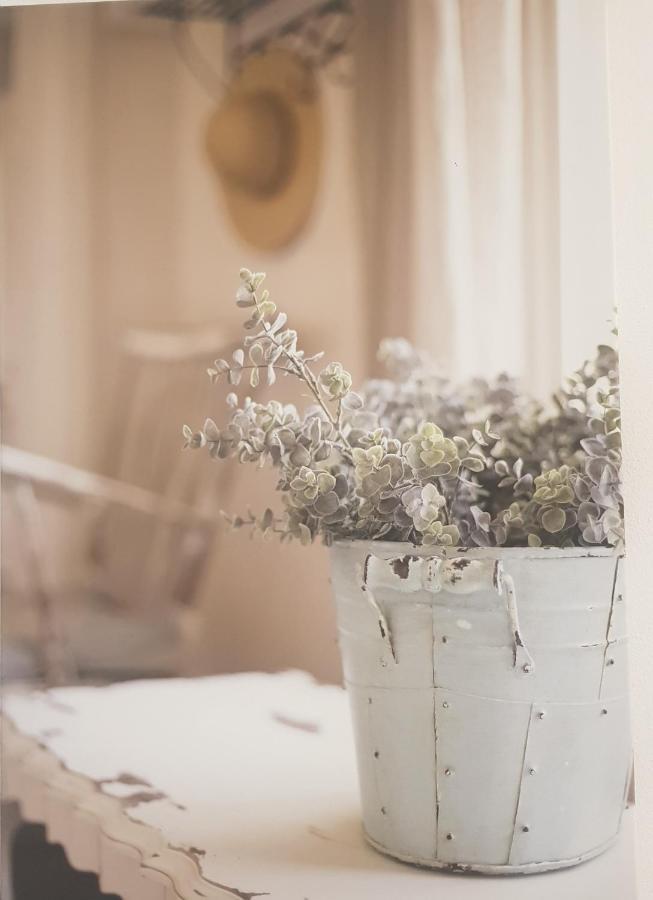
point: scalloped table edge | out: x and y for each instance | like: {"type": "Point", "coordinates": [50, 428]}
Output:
{"type": "Point", "coordinates": [131, 859]}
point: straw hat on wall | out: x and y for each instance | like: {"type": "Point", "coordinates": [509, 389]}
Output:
{"type": "Point", "coordinates": [264, 142]}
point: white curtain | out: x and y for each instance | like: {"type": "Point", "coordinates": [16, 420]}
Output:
{"type": "Point", "coordinates": [483, 155]}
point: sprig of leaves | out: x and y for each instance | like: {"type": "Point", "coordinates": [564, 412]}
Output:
{"type": "Point", "coordinates": [416, 457]}
{"type": "Point", "coordinates": [273, 348]}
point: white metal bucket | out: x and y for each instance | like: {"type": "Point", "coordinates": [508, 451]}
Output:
{"type": "Point", "coordinates": [488, 691]}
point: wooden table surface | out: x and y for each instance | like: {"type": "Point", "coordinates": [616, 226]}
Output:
{"type": "Point", "coordinates": [233, 786]}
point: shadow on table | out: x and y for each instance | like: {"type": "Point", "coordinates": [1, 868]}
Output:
{"type": "Point", "coordinates": [335, 843]}
{"type": "Point", "coordinates": [338, 843]}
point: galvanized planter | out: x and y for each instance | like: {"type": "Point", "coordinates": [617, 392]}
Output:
{"type": "Point", "coordinates": [488, 691]}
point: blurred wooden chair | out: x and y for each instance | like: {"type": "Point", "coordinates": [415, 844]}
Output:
{"type": "Point", "coordinates": [101, 573]}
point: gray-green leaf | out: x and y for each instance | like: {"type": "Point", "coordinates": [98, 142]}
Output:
{"type": "Point", "coordinates": [553, 519]}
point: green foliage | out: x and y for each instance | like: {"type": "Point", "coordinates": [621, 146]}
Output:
{"type": "Point", "coordinates": [498, 468]}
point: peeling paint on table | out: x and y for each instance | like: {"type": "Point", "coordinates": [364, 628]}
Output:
{"type": "Point", "coordinates": [186, 788]}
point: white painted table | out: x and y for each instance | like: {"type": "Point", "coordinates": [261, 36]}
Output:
{"type": "Point", "coordinates": [235, 786]}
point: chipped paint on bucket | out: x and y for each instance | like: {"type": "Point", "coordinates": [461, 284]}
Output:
{"type": "Point", "coordinates": [488, 691]}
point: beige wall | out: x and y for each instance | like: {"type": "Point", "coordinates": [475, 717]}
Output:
{"type": "Point", "coordinates": [47, 321]}
{"type": "Point", "coordinates": [114, 219]}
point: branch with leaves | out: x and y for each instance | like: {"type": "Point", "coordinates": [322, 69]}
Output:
{"type": "Point", "coordinates": [273, 348]}
{"type": "Point", "coordinates": [414, 457]}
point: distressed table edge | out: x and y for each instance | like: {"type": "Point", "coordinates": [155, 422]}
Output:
{"type": "Point", "coordinates": [130, 858]}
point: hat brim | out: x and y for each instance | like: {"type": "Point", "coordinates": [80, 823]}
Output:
{"type": "Point", "coordinates": [270, 222]}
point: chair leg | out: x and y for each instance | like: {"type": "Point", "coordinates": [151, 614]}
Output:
{"type": "Point", "coordinates": [57, 663]}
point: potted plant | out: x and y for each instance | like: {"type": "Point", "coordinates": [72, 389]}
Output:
{"type": "Point", "coordinates": [476, 542]}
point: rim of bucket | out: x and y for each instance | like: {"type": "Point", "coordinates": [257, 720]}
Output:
{"type": "Point", "coordinates": [405, 548]}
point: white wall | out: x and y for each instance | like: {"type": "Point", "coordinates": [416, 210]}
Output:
{"type": "Point", "coordinates": [630, 38]}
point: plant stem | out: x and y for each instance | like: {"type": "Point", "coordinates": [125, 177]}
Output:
{"type": "Point", "coordinates": [459, 482]}
{"type": "Point", "coordinates": [304, 373]}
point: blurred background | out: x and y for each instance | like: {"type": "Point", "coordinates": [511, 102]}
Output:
{"type": "Point", "coordinates": [432, 169]}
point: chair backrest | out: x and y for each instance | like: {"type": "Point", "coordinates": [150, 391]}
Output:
{"type": "Point", "coordinates": [148, 530]}
{"type": "Point", "coordinates": [162, 384]}
{"type": "Point", "coordinates": [48, 511]}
